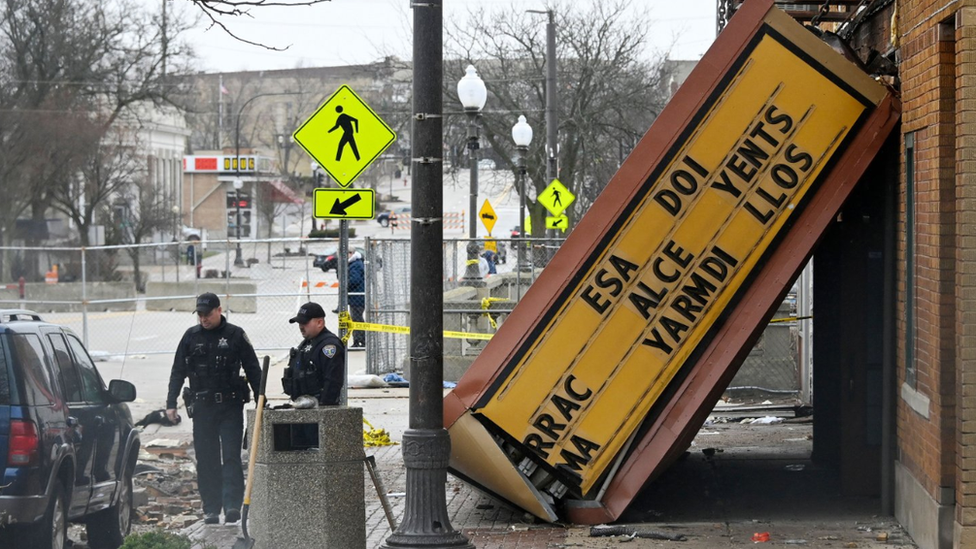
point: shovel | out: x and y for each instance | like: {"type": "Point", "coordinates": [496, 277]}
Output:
{"type": "Point", "coordinates": [247, 542]}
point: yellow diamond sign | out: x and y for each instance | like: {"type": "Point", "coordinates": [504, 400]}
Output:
{"type": "Point", "coordinates": [556, 198]}
{"type": "Point", "coordinates": [344, 136]}
{"type": "Point", "coordinates": [488, 217]}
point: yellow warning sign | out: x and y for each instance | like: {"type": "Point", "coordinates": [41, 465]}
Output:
{"type": "Point", "coordinates": [556, 198]}
{"type": "Point", "coordinates": [487, 216]}
{"type": "Point", "coordinates": [492, 245]}
{"type": "Point", "coordinates": [344, 136]}
{"type": "Point", "coordinates": [557, 222]}
{"type": "Point", "coordinates": [343, 203]}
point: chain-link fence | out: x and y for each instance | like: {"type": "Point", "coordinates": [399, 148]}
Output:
{"type": "Point", "coordinates": [508, 273]}
{"type": "Point", "coordinates": [131, 300]}
{"type": "Point", "coordinates": [773, 364]}
{"type": "Point", "coordinates": [138, 299]}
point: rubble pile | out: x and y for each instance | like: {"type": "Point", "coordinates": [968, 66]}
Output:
{"type": "Point", "coordinates": [165, 487]}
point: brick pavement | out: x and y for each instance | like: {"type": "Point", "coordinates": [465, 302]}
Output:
{"type": "Point", "coordinates": [713, 517]}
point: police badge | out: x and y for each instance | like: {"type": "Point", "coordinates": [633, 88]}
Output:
{"type": "Point", "coordinates": [222, 343]}
{"type": "Point", "coordinates": [329, 350]}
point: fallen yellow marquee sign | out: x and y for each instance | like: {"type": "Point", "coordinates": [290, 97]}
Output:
{"type": "Point", "coordinates": [566, 394]}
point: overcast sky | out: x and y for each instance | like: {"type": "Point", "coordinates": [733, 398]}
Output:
{"type": "Point", "coordinates": [343, 32]}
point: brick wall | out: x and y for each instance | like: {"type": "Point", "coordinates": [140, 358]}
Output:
{"type": "Point", "coordinates": [965, 280]}
{"type": "Point", "coordinates": [927, 437]}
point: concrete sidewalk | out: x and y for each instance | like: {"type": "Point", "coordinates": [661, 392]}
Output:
{"type": "Point", "coordinates": [736, 481]}
{"type": "Point", "coordinates": [711, 499]}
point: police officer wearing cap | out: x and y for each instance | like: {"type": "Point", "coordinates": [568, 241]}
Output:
{"type": "Point", "coordinates": [318, 365]}
{"type": "Point", "coordinates": [212, 355]}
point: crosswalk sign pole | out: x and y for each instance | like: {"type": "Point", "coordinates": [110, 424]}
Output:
{"type": "Point", "coordinates": [342, 271]}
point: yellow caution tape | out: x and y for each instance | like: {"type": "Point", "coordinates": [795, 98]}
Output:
{"type": "Point", "coordinates": [375, 437]}
{"type": "Point", "coordinates": [473, 262]}
{"type": "Point", "coordinates": [790, 319]}
{"type": "Point", "coordinates": [349, 325]}
{"type": "Point", "coordinates": [485, 304]}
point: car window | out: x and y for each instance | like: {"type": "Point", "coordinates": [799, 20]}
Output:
{"type": "Point", "coordinates": [28, 354]}
{"type": "Point", "coordinates": [91, 382]}
{"type": "Point", "coordinates": [70, 377]}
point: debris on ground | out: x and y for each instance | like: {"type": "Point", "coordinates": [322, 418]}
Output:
{"type": "Point", "coordinates": [165, 487]}
{"type": "Point", "coordinates": [603, 530]}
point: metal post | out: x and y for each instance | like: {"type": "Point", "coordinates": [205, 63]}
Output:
{"type": "Point", "coordinates": [342, 271]}
{"type": "Point", "coordinates": [238, 261]}
{"type": "Point", "coordinates": [552, 125]}
{"type": "Point", "coordinates": [472, 274]}
{"type": "Point", "coordinates": [521, 263]}
{"type": "Point", "coordinates": [84, 298]}
{"type": "Point", "coordinates": [426, 444]}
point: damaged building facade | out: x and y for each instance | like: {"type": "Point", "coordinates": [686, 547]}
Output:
{"type": "Point", "coordinates": [895, 380]}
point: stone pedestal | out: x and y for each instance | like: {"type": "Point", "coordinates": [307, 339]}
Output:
{"type": "Point", "coordinates": [308, 493]}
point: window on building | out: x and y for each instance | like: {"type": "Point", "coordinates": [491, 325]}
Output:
{"type": "Point", "coordinates": [911, 329]}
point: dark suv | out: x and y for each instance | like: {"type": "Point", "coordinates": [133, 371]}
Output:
{"type": "Point", "coordinates": [67, 445]}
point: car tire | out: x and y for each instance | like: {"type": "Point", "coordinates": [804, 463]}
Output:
{"type": "Point", "coordinates": [107, 529]}
{"type": "Point", "coordinates": [384, 222]}
{"type": "Point", "coordinates": [52, 531]}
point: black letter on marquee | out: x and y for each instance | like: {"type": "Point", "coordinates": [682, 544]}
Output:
{"type": "Point", "coordinates": [594, 300]}
{"type": "Point", "coordinates": [535, 443]}
{"type": "Point", "coordinates": [669, 201]}
{"type": "Point", "coordinates": [623, 267]}
{"type": "Point", "coordinates": [547, 425]}
{"type": "Point", "coordinates": [565, 406]}
{"type": "Point", "coordinates": [643, 303]}
{"type": "Point", "coordinates": [657, 342]}
{"type": "Point", "coordinates": [568, 387]}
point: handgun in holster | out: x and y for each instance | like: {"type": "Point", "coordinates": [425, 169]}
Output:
{"type": "Point", "coordinates": [189, 400]}
{"type": "Point", "coordinates": [288, 382]}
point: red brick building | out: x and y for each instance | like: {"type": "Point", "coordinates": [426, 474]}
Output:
{"type": "Point", "coordinates": [895, 358]}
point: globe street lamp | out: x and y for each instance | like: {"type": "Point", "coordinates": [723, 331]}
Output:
{"type": "Point", "coordinates": [238, 184]}
{"type": "Point", "coordinates": [473, 94]}
{"type": "Point", "coordinates": [522, 136]}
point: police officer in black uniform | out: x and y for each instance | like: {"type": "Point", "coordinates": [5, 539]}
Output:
{"type": "Point", "coordinates": [318, 365]}
{"type": "Point", "coordinates": [212, 355]}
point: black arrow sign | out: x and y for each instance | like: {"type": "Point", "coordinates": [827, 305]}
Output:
{"type": "Point", "coordinates": [339, 208]}
{"type": "Point", "coordinates": [557, 222]}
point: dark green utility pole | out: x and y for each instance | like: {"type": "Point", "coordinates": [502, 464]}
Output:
{"type": "Point", "coordinates": [426, 444]}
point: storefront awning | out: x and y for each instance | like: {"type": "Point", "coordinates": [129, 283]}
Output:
{"type": "Point", "coordinates": [280, 192]}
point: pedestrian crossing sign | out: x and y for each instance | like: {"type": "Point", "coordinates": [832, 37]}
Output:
{"type": "Point", "coordinates": [556, 198]}
{"type": "Point", "coordinates": [344, 136]}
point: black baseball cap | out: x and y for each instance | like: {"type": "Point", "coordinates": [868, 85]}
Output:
{"type": "Point", "coordinates": [308, 311]}
{"type": "Point", "coordinates": [207, 302]}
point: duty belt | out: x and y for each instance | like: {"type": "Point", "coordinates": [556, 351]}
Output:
{"type": "Point", "coordinates": [218, 397]}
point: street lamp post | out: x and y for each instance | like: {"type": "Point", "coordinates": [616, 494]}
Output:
{"type": "Point", "coordinates": [238, 261]}
{"type": "Point", "coordinates": [238, 184]}
{"type": "Point", "coordinates": [552, 124]}
{"type": "Point", "coordinates": [473, 95]}
{"type": "Point", "coordinates": [522, 136]}
{"type": "Point", "coordinates": [427, 444]}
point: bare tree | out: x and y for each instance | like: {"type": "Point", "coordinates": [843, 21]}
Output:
{"type": "Point", "coordinates": [221, 13]}
{"type": "Point", "coordinates": [69, 69]}
{"type": "Point", "coordinates": [608, 92]}
{"type": "Point", "coordinates": [137, 213]}
{"type": "Point", "coordinates": [103, 168]}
